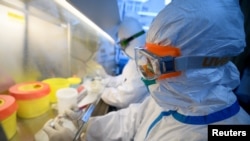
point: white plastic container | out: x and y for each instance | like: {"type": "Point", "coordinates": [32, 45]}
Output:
{"type": "Point", "coordinates": [66, 97]}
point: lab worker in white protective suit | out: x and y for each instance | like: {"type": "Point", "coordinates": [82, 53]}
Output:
{"type": "Point", "coordinates": [194, 91]}
{"type": "Point", "coordinates": [127, 87]}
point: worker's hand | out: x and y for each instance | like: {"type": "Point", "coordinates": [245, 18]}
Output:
{"type": "Point", "coordinates": [56, 132]}
{"type": "Point", "coordinates": [74, 114]}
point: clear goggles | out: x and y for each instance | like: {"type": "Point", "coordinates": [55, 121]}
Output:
{"type": "Point", "coordinates": [153, 66]}
{"type": "Point", "coordinates": [125, 42]}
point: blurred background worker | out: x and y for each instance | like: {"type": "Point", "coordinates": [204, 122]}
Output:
{"type": "Point", "coordinates": [127, 87]}
{"type": "Point", "coordinates": [191, 92]}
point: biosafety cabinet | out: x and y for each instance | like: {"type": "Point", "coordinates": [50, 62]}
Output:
{"type": "Point", "coordinates": [42, 39]}
{"type": "Point", "coordinates": [47, 38]}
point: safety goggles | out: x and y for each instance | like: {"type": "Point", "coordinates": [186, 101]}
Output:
{"type": "Point", "coordinates": [155, 63]}
{"type": "Point", "coordinates": [125, 42]}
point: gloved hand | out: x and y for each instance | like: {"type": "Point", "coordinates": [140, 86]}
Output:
{"type": "Point", "coordinates": [56, 132]}
{"type": "Point", "coordinates": [74, 114]}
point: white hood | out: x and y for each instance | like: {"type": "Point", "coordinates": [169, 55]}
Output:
{"type": "Point", "coordinates": [218, 31]}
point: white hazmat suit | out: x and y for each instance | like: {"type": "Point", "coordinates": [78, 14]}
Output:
{"type": "Point", "coordinates": [127, 87]}
{"type": "Point", "coordinates": [180, 108]}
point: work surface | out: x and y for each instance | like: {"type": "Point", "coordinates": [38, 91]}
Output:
{"type": "Point", "coordinates": [27, 128]}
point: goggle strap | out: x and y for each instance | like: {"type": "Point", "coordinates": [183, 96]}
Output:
{"type": "Point", "coordinates": [125, 42]}
{"type": "Point", "coordinates": [193, 62]}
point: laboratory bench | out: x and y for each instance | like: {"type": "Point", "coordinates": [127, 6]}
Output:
{"type": "Point", "coordinates": [27, 128]}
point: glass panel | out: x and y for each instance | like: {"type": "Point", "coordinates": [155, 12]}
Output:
{"type": "Point", "coordinates": [46, 38]}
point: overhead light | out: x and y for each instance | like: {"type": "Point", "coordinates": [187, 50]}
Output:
{"type": "Point", "coordinates": [82, 17]}
{"type": "Point", "coordinates": [15, 3]}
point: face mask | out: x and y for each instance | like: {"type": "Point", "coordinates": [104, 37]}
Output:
{"type": "Point", "coordinates": [148, 82]}
{"type": "Point", "coordinates": [159, 62]}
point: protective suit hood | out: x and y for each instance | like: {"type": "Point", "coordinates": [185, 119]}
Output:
{"type": "Point", "coordinates": [128, 27]}
{"type": "Point", "coordinates": [215, 33]}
